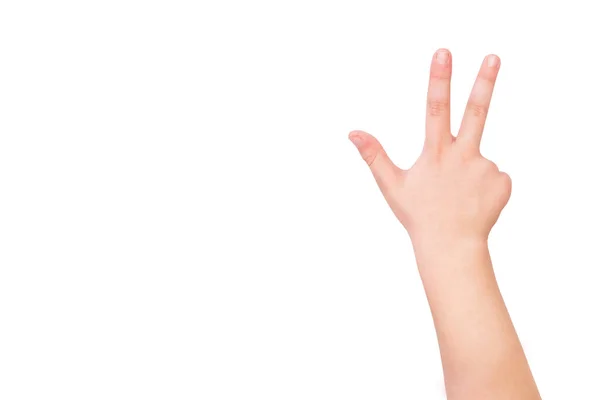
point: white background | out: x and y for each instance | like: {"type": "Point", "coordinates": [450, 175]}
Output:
{"type": "Point", "coordinates": [183, 217]}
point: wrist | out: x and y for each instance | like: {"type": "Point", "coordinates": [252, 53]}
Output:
{"type": "Point", "coordinates": [442, 249]}
{"type": "Point", "coordinates": [446, 240]}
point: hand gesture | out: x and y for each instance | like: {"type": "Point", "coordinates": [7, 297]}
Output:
{"type": "Point", "coordinates": [452, 192]}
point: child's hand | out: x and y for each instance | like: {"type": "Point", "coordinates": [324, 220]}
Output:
{"type": "Point", "coordinates": [452, 192]}
{"type": "Point", "coordinates": [449, 201]}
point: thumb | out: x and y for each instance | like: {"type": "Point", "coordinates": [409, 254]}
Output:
{"type": "Point", "coordinates": [385, 172]}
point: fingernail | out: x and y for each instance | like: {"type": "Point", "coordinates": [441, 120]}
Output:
{"type": "Point", "coordinates": [441, 56]}
{"type": "Point", "coordinates": [492, 61]}
{"type": "Point", "coordinates": [356, 139]}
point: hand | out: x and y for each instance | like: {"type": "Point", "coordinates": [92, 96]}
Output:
{"type": "Point", "coordinates": [452, 192]}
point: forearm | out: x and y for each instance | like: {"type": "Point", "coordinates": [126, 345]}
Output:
{"type": "Point", "coordinates": [481, 353]}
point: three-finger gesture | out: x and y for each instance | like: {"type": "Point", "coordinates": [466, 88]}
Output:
{"type": "Point", "coordinates": [451, 192]}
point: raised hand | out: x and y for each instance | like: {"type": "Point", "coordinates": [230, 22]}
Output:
{"type": "Point", "coordinates": [451, 192]}
{"type": "Point", "coordinates": [448, 201]}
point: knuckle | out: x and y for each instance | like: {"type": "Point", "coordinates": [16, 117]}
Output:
{"type": "Point", "coordinates": [370, 157]}
{"type": "Point", "coordinates": [487, 77]}
{"type": "Point", "coordinates": [487, 166]}
{"type": "Point", "coordinates": [437, 107]}
{"type": "Point", "coordinates": [492, 166]}
{"type": "Point", "coordinates": [440, 74]}
{"type": "Point", "coordinates": [506, 180]}
{"type": "Point", "coordinates": [505, 186]}
{"type": "Point", "coordinates": [477, 109]}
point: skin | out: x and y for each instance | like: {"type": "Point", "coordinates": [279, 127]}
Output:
{"type": "Point", "coordinates": [449, 201]}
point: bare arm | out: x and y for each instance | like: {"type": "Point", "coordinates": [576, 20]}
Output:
{"type": "Point", "coordinates": [449, 201]}
{"type": "Point", "coordinates": [481, 353]}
